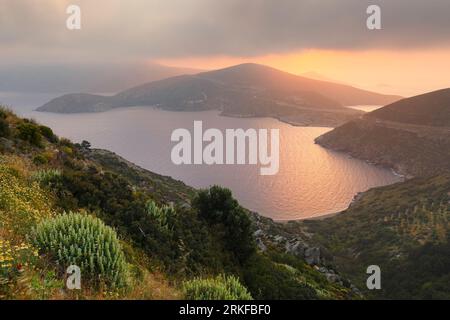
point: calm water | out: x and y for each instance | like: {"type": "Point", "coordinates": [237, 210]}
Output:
{"type": "Point", "coordinates": [312, 181]}
{"type": "Point", "coordinates": [366, 108]}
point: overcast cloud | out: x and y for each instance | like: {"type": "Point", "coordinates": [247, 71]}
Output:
{"type": "Point", "coordinates": [177, 28]}
{"type": "Point", "coordinates": [126, 31]}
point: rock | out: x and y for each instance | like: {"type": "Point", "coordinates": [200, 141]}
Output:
{"type": "Point", "coordinates": [334, 278]}
{"type": "Point", "coordinates": [296, 248]}
{"type": "Point", "coordinates": [355, 290]}
{"type": "Point", "coordinates": [312, 256]}
{"type": "Point", "coordinates": [279, 239]}
{"type": "Point", "coordinates": [323, 270]}
{"type": "Point", "coordinates": [258, 233]}
{"type": "Point", "coordinates": [261, 245]}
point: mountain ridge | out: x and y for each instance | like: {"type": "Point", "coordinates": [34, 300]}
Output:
{"type": "Point", "coordinates": [242, 90]}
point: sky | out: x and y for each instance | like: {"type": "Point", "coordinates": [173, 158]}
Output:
{"type": "Point", "coordinates": [408, 56]}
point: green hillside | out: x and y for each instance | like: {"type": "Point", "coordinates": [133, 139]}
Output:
{"type": "Point", "coordinates": [135, 234]}
{"type": "Point", "coordinates": [404, 229]}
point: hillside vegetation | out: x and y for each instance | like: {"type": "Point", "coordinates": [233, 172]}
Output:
{"type": "Point", "coordinates": [134, 234]}
{"type": "Point", "coordinates": [404, 229]}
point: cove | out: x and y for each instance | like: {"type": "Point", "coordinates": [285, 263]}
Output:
{"type": "Point", "coordinates": [311, 181]}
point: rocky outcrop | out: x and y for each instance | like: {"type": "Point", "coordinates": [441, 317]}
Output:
{"type": "Point", "coordinates": [270, 234]}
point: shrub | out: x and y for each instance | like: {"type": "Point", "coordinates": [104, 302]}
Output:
{"type": "Point", "coordinates": [48, 133]}
{"type": "Point", "coordinates": [268, 280]}
{"type": "Point", "coordinates": [165, 215]}
{"type": "Point", "coordinates": [3, 113]}
{"type": "Point", "coordinates": [47, 176]}
{"type": "Point", "coordinates": [218, 207]}
{"type": "Point", "coordinates": [30, 132]}
{"type": "Point", "coordinates": [4, 128]}
{"type": "Point", "coordinates": [85, 241]}
{"type": "Point", "coordinates": [67, 150]}
{"type": "Point", "coordinates": [85, 145]}
{"type": "Point", "coordinates": [219, 288]}
{"type": "Point", "coordinates": [39, 160]}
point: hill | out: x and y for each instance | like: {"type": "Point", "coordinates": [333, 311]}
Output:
{"type": "Point", "coordinates": [134, 234]}
{"type": "Point", "coordinates": [403, 228]}
{"type": "Point", "coordinates": [429, 109]}
{"type": "Point", "coordinates": [411, 136]}
{"type": "Point", "coordinates": [243, 90]}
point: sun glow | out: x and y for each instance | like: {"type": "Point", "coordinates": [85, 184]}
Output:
{"type": "Point", "coordinates": [395, 72]}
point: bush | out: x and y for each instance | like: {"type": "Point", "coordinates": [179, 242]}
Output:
{"type": "Point", "coordinates": [268, 280]}
{"type": "Point", "coordinates": [85, 241]}
{"type": "Point", "coordinates": [39, 160]}
{"type": "Point", "coordinates": [48, 133]}
{"type": "Point", "coordinates": [218, 207]}
{"type": "Point", "coordinates": [46, 177]}
{"type": "Point", "coordinates": [219, 288]}
{"type": "Point", "coordinates": [30, 132]}
{"type": "Point", "coordinates": [164, 215]}
{"type": "Point", "coordinates": [4, 128]}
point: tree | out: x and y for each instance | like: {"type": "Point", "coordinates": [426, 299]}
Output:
{"type": "Point", "coordinates": [218, 207]}
{"type": "Point", "coordinates": [85, 145]}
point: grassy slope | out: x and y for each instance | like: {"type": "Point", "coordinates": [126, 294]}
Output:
{"type": "Point", "coordinates": [403, 228]}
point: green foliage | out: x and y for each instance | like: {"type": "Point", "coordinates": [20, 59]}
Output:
{"type": "Point", "coordinates": [175, 237]}
{"type": "Point", "coordinates": [4, 128]}
{"type": "Point", "coordinates": [402, 228]}
{"type": "Point", "coordinates": [3, 113]}
{"type": "Point", "coordinates": [85, 241]}
{"type": "Point", "coordinates": [219, 288]}
{"type": "Point", "coordinates": [44, 286]}
{"type": "Point", "coordinates": [423, 274]}
{"type": "Point", "coordinates": [30, 132]}
{"type": "Point", "coordinates": [218, 208]}
{"type": "Point", "coordinates": [212, 236]}
{"type": "Point", "coordinates": [40, 160]}
{"type": "Point", "coordinates": [47, 176]}
{"type": "Point", "coordinates": [14, 258]}
{"type": "Point", "coordinates": [48, 133]}
{"type": "Point", "coordinates": [272, 281]}
{"type": "Point", "coordinates": [164, 215]}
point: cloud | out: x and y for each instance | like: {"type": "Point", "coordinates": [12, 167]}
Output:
{"type": "Point", "coordinates": [117, 30]}
{"type": "Point", "coordinates": [118, 37]}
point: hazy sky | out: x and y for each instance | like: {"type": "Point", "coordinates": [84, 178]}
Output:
{"type": "Point", "coordinates": [408, 56]}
